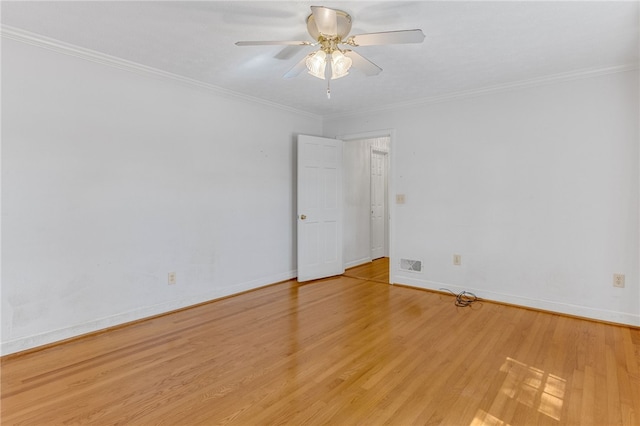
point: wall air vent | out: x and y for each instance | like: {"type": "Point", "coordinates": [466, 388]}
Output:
{"type": "Point", "coordinates": [411, 265]}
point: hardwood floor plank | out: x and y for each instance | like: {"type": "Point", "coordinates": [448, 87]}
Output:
{"type": "Point", "coordinates": [336, 351]}
{"type": "Point", "coordinates": [614, 413]}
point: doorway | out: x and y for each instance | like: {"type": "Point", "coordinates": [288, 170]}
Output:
{"type": "Point", "coordinates": [366, 200]}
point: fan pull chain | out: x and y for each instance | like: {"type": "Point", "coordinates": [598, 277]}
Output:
{"type": "Point", "coordinates": [328, 88]}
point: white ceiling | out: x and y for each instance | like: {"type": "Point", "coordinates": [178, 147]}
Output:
{"type": "Point", "coordinates": [469, 45]}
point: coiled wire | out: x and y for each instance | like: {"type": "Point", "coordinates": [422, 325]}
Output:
{"type": "Point", "coordinates": [464, 299]}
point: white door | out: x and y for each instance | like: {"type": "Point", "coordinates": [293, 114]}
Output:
{"type": "Point", "coordinates": [378, 204]}
{"type": "Point", "coordinates": [319, 207]}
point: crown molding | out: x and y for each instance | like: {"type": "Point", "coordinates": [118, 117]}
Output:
{"type": "Point", "coordinates": [58, 46]}
{"type": "Point", "coordinates": [522, 84]}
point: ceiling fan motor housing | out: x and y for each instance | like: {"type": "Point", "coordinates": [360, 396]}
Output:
{"type": "Point", "coordinates": [343, 24]}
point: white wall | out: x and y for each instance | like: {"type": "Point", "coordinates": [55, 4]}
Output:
{"type": "Point", "coordinates": [357, 198]}
{"type": "Point", "coordinates": [537, 188]}
{"type": "Point", "coordinates": [112, 179]}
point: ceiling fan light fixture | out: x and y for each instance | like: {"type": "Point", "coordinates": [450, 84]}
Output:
{"type": "Point", "coordinates": [316, 64]}
{"type": "Point", "coordinates": [330, 28]}
{"type": "Point", "coordinates": [340, 64]}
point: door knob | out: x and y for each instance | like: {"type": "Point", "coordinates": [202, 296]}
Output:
{"type": "Point", "coordinates": [303, 217]}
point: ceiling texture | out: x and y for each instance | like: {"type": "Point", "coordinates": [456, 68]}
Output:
{"type": "Point", "coordinates": [469, 46]}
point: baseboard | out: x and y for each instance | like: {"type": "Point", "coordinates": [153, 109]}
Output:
{"type": "Point", "coordinates": [53, 336]}
{"type": "Point", "coordinates": [358, 262]}
{"type": "Point", "coordinates": [538, 304]}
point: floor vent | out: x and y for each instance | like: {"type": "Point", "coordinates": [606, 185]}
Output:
{"type": "Point", "coordinates": [411, 265]}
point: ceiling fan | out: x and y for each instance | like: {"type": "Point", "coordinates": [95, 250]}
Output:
{"type": "Point", "coordinates": [330, 29]}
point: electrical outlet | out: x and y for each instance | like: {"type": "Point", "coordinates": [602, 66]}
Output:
{"type": "Point", "coordinates": [172, 277]}
{"type": "Point", "coordinates": [457, 259]}
{"type": "Point", "coordinates": [618, 280]}
{"type": "Point", "coordinates": [400, 198]}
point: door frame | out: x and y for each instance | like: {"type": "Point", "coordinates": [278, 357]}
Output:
{"type": "Point", "coordinates": [391, 134]}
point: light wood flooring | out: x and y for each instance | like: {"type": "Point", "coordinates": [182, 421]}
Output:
{"type": "Point", "coordinates": [341, 351]}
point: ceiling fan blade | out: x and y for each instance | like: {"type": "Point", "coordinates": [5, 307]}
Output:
{"type": "Point", "coordinates": [326, 20]}
{"type": "Point", "coordinates": [288, 52]}
{"type": "Point", "coordinates": [270, 43]}
{"type": "Point", "coordinates": [361, 63]}
{"type": "Point", "coordinates": [297, 68]}
{"type": "Point", "coordinates": [388, 37]}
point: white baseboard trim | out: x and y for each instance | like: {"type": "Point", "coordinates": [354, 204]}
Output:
{"type": "Point", "coordinates": [545, 305]}
{"type": "Point", "coordinates": [48, 337]}
{"type": "Point", "coordinates": [357, 262]}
